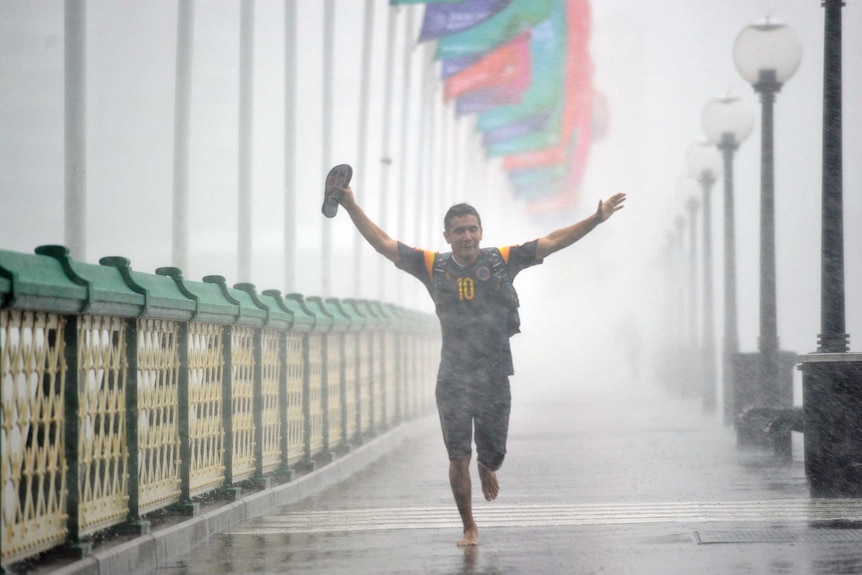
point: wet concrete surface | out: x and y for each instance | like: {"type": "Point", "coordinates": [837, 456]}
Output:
{"type": "Point", "coordinates": [610, 480]}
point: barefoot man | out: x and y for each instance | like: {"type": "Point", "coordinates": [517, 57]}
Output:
{"type": "Point", "coordinates": [477, 307]}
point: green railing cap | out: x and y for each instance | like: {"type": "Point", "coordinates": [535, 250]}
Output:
{"type": "Point", "coordinates": [255, 312]}
{"type": "Point", "coordinates": [397, 315]}
{"type": "Point", "coordinates": [279, 314]}
{"type": "Point", "coordinates": [304, 319]}
{"type": "Point", "coordinates": [376, 319]}
{"type": "Point", "coordinates": [340, 320]}
{"type": "Point", "coordinates": [209, 303]}
{"type": "Point", "coordinates": [325, 320]}
{"type": "Point", "coordinates": [107, 292]}
{"type": "Point", "coordinates": [39, 281]}
{"type": "Point", "coordinates": [249, 313]}
{"type": "Point", "coordinates": [358, 319]}
{"type": "Point", "coordinates": [353, 319]}
{"type": "Point", "coordinates": [162, 296]}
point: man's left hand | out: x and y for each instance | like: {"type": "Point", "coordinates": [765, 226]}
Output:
{"type": "Point", "coordinates": [607, 208]}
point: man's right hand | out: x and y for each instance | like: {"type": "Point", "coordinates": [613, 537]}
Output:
{"type": "Point", "coordinates": [346, 197]}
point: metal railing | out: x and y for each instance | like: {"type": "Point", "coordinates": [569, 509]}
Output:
{"type": "Point", "coordinates": [125, 393]}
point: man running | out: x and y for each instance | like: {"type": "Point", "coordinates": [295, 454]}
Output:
{"type": "Point", "coordinates": [477, 307]}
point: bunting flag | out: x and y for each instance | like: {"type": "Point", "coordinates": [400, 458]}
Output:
{"type": "Point", "coordinates": [537, 178]}
{"type": "Point", "coordinates": [443, 19]}
{"type": "Point", "coordinates": [516, 129]}
{"type": "Point", "coordinates": [480, 101]}
{"type": "Point", "coordinates": [452, 66]}
{"type": "Point", "coordinates": [575, 128]}
{"type": "Point", "coordinates": [505, 64]}
{"type": "Point", "coordinates": [523, 68]}
{"type": "Point", "coordinates": [397, 2]}
{"type": "Point", "coordinates": [513, 20]}
{"type": "Point", "coordinates": [547, 58]}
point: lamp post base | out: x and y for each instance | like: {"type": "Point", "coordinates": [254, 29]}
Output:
{"type": "Point", "coordinates": [832, 402]}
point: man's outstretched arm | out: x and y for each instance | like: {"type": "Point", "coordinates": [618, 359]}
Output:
{"type": "Point", "coordinates": [564, 237]}
{"type": "Point", "coordinates": [372, 233]}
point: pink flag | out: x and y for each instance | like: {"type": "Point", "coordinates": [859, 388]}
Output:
{"type": "Point", "coordinates": [501, 66]}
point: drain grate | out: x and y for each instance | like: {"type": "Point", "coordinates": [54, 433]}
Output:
{"type": "Point", "coordinates": [779, 536]}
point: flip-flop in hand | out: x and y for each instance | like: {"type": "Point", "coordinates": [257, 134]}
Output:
{"type": "Point", "coordinates": [337, 178]}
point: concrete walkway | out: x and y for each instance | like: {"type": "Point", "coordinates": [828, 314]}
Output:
{"type": "Point", "coordinates": [609, 479]}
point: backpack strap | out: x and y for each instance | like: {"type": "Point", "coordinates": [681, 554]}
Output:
{"type": "Point", "coordinates": [506, 291]}
{"type": "Point", "coordinates": [504, 252]}
{"type": "Point", "coordinates": [437, 271]}
{"type": "Point", "coordinates": [430, 259]}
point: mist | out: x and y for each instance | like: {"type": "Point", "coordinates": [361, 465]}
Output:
{"type": "Point", "coordinates": [593, 308]}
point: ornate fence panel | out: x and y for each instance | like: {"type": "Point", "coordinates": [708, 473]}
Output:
{"type": "Point", "coordinates": [390, 369]}
{"type": "Point", "coordinates": [365, 374]}
{"type": "Point", "coordinates": [351, 391]}
{"type": "Point", "coordinates": [334, 372]}
{"type": "Point", "coordinates": [206, 432]}
{"type": "Point", "coordinates": [295, 413]}
{"type": "Point", "coordinates": [410, 368]}
{"type": "Point", "coordinates": [242, 402]}
{"type": "Point", "coordinates": [102, 444]}
{"type": "Point", "coordinates": [315, 394]}
{"type": "Point", "coordinates": [158, 399]}
{"type": "Point", "coordinates": [33, 470]}
{"type": "Point", "coordinates": [270, 377]}
{"type": "Point", "coordinates": [378, 378]}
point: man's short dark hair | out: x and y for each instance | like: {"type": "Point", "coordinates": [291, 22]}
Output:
{"type": "Point", "coordinates": [458, 210]}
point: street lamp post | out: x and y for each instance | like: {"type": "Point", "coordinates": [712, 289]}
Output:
{"type": "Point", "coordinates": [767, 55]}
{"type": "Point", "coordinates": [831, 400]}
{"type": "Point", "coordinates": [679, 294]}
{"type": "Point", "coordinates": [688, 192]}
{"type": "Point", "coordinates": [704, 165]}
{"type": "Point", "coordinates": [727, 122]}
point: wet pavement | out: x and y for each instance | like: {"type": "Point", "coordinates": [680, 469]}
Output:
{"type": "Point", "coordinates": [605, 480]}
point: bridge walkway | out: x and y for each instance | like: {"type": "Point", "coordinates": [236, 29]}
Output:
{"type": "Point", "coordinates": [610, 479]}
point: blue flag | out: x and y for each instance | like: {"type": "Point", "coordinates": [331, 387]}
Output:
{"type": "Point", "coordinates": [516, 18]}
{"type": "Point", "coordinates": [528, 125]}
{"type": "Point", "coordinates": [451, 18]}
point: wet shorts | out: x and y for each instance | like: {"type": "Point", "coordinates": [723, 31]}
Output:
{"type": "Point", "coordinates": [486, 406]}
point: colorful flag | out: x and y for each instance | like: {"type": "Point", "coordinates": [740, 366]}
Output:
{"type": "Point", "coordinates": [535, 141]}
{"type": "Point", "coordinates": [534, 159]}
{"type": "Point", "coordinates": [397, 2]}
{"type": "Point", "coordinates": [573, 144]}
{"type": "Point", "coordinates": [480, 101]}
{"type": "Point", "coordinates": [516, 18]}
{"type": "Point", "coordinates": [452, 66]}
{"type": "Point", "coordinates": [516, 129]}
{"type": "Point", "coordinates": [451, 18]}
{"type": "Point", "coordinates": [498, 67]}
{"type": "Point", "coordinates": [537, 176]}
{"type": "Point", "coordinates": [547, 66]}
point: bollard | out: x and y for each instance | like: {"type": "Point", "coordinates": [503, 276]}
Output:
{"type": "Point", "coordinates": [749, 395]}
{"type": "Point", "coordinates": [832, 403]}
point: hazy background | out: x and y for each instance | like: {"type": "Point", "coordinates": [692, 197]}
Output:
{"type": "Point", "coordinates": [657, 62]}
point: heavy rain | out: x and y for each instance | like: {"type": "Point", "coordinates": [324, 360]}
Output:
{"type": "Point", "coordinates": [612, 425]}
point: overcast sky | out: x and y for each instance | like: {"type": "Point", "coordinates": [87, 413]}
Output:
{"type": "Point", "coordinates": [658, 63]}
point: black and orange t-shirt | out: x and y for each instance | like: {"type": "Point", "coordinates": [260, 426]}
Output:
{"type": "Point", "coordinates": [473, 316]}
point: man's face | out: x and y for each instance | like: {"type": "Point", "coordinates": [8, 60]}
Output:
{"type": "Point", "coordinates": [464, 235]}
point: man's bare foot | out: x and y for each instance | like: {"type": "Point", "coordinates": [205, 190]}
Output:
{"type": "Point", "coordinates": [471, 537]}
{"type": "Point", "coordinates": [490, 485]}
